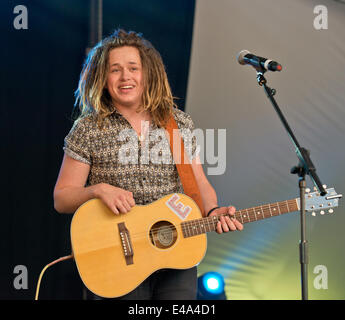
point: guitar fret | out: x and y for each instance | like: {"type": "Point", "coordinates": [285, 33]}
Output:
{"type": "Point", "coordinates": [278, 206]}
{"type": "Point", "coordinates": [186, 228]}
{"type": "Point", "coordinates": [200, 226]}
{"type": "Point", "coordinates": [238, 215]}
{"type": "Point", "coordinates": [197, 227]}
{"type": "Point", "coordinates": [215, 221]}
{"type": "Point", "coordinates": [262, 212]}
{"type": "Point", "coordinates": [297, 205]}
{"type": "Point", "coordinates": [243, 216]}
{"type": "Point", "coordinates": [240, 212]}
{"type": "Point", "coordinates": [289, 204]}
{"type": "Point", "coordinates": [183, 225]}
{"type": "Point", "coordinates": [207, 229]}
{"type": "Point", "coordinates": [210, 223]}
{"type": "Point", "coordinates": [252, 215]}
{"type": "Point", "coordinates": [259, 214]}
{"type": "Point", "coordinates": [268, 211]}
{"type": "Point", "coordinates": [273, 210]}
{"type": "Point", "coordinates": [255, 214]}
{"type": "Point", "coordinates": [284, 207]}
{"type": "Point", "coordinates": [264, 209]}
{"type": "Point", "coordinates": [189, 229]}
{"type": "Point", "coordinates": [194, 228]}
{"type": "Point", "coordinates": [203, 227]}
{"type": "Point", "coordinates": [247, 215]}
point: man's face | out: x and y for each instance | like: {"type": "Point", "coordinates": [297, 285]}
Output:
{"type": "Point", "coordinates": [125, 77]}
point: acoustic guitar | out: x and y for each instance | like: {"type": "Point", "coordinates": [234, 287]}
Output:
{"type": "Point", "coordinates": [116, 253]}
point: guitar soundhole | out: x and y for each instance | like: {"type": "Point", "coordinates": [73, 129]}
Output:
{"type": "Point", "coordinates": [163, 234]}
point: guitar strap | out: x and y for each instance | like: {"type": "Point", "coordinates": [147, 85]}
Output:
{"type": "Point", "coordinates": [183, 164]}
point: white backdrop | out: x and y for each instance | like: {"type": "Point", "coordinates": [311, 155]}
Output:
{"type": "Point", "coordinates": [262, 262]}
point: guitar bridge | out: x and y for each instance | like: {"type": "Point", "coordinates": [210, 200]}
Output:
{"type": "Point", "coordinates": [126, 243]}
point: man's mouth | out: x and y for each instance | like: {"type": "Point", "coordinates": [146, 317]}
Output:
{"type": "Point", "coordinates": [126, 87]}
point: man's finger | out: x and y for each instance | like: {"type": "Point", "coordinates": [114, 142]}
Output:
{"type": "Point", "coordinates": [224, 223]}
{"type": "Point", "coordinates": [230, 223]}
{"type": "Point", "coordinates": [219, 228]}
{"type": "Point", "coordinates": [231, 210]}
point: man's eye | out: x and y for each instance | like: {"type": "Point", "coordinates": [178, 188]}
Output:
{"type": "Point", "coordinates": [115, 70]}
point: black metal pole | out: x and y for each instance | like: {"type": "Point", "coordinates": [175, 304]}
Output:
{"type": "Point", "coordinates": [304, 167]}
{"type": "Point", "coordinates": [303, 245]}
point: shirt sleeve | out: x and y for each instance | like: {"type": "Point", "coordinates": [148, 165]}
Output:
{"type": "Point", "coordinates": [77, 142]}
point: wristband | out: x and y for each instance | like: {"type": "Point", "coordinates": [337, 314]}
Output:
{"type": "Point", "coordinates": [212, 210]}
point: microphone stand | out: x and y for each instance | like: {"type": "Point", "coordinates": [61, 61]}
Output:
{"type": "Point", "coordinates": [304, 167]}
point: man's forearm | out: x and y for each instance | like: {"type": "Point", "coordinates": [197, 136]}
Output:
{"type": "Point", "coordinates": [69, 199]}
{"type": "Point", "coordinates": [209, 197]}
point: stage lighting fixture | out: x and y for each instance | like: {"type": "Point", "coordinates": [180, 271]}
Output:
{"type": "Point", "coordinates": [211, 286]}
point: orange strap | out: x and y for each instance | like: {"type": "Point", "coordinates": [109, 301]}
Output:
{"type": "Point", "coordinates": [183, 165]}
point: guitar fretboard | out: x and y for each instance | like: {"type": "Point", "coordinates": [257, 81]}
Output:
{"type": "Point", "coordinates": [203, 225]}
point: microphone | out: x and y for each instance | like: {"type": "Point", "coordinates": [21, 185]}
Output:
{"type": "Point", "coordinates": [259, 63]}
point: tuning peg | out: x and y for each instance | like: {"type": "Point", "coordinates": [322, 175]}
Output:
{"type": "Point", "coordinates": [313, 214]}
{"type": "Point", "coordinates": [330, 210]}
{"type": "Point", "coordinates": [324, 186]}
{"type": "Point", "coordinates": [322, 212]}
{"type": "Point", "coordinates": [307, 190]}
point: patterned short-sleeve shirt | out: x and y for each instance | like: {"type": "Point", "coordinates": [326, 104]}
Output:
{"type": "Point", "coordinates": [117, 157]}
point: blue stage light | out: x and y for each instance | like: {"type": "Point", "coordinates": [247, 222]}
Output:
{"type": "Point", "coordinates": [213, 282]}
{"type": "Point", "coordinates": [211, 286]}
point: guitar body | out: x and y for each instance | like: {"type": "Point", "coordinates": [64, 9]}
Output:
{"type": "Point", "coordinates": [116, 253]}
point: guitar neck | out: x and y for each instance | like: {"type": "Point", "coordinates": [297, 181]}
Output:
{"type": "Point", "coordinates": [199, 226]}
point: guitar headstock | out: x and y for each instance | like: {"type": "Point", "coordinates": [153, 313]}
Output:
{"type": "Point", "coordinates": [314, 202]}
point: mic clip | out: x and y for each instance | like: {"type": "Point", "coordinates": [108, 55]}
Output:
{"type": "Point", "coordinates": [260, 78]}
{"type": "Point", "coordinates": [262, 82]}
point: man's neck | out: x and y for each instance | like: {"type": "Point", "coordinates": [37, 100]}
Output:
{"type": "Point", "coordinates": [131, 113]}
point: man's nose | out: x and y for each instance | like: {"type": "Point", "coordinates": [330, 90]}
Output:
{"type": "Point", "coordinates": [125, 74]}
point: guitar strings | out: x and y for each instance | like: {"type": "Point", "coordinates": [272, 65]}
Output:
{"type": "Point", "coordinates": [245, 215]}
{"type": "Point", "coordinates": [249, 214]}
{"type": "Point", "coordinates": [168, 229]}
